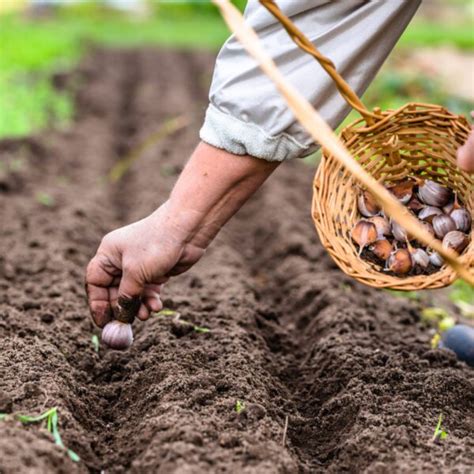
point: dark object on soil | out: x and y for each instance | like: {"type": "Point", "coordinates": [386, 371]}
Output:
{"type": "Point", "coordinates": [460, 339]}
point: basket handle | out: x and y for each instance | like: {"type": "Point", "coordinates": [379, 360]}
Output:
{"type": "Point", "coordinates": [305, 44]}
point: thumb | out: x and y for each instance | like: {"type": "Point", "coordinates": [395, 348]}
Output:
{"type": "Point", "coordinates": [129, 296]}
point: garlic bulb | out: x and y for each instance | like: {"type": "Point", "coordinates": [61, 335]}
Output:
{"type": "Point", "coordinates": [455, 240]}
{"type": "Point", "coordinates": [117, 335]}
{"type": "Point", "coordinates": [367, 205]}
{"type": "Point", "coordinates": [462, 219]}
{"type": "Point", "coordinates": [434, 194]}
{"type": "Point", "coordinates": [443, 224]}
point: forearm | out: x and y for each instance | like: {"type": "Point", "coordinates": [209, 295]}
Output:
{"type": "Point", "coordinates": [211, 189]}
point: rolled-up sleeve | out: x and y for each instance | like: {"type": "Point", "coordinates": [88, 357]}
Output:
{"type": "Point", "coordinates": [247, 115]}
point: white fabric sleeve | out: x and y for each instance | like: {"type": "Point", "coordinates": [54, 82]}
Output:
{"type": "Point", "coordinates": [247, 115]}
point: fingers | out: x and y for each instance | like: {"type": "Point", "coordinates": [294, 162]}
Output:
{"type": "Point", "coordinates": [151, 301]}
{"type": "Point", "coordinates": [465, 154]}
{"type": "Point", "coordinates": [98, 277]}
{"type": "Point", "coordinates": [99, 305]}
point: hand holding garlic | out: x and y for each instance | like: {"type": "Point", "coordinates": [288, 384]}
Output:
{"type": "Point", "coordinates": [118, 333]}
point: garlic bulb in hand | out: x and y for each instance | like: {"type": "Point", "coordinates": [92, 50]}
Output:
{"type": "Point", "coordinates": [117, 335]}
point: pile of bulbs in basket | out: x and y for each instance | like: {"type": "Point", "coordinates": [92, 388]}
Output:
{"type": "Point", "coordinates": [386, 243]}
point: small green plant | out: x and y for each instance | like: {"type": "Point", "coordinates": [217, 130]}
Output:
{"type": "Point", "coordinates": [45, 199]}
{"type": "Point", "coordinates": [170, 312]}
{"type": "Point", "coordinates": [95, 342]}
{"type": "Point", "coordinates": [200, 329]}
{"type": "Point", "coordinates": [165, 312]}
{"type": "Point", "coordinates": [239, 406]}
{"type": "Point", "coordinates": [439, 432]}
{"type": "Point", "coordinates": [51, 418]}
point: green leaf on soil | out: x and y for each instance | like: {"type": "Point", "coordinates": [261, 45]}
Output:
{"type": "Point", "coordinates": [165, 312]}
{"type": "Point", "coordinates": [200, 329]}
{"type": "Point", "coordinates": [95, 342]}
{"type": "Point", "coordinates": [3, 416]}
{"type": "Point", "coordinates": [74, 456]}
{"type": "Point", "coordinates": [51, 417]}
{"type": "Point", "coordinates": [439, 432]}
{"type": "Point", "coordinates": [435, 340]}
{"type": "Point", "coordinates": [239, 406]}
{"type": "Point", "coordinates": [44, 198]}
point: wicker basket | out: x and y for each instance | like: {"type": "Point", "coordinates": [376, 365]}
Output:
{"type": "Point", "coordinates": [415, 140]}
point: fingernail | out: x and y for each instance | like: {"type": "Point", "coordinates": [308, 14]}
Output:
{"type": "Point", "coordinates": [127, 309]}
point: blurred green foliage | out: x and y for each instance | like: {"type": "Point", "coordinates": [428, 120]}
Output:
{"type": "Point", "coordinates": [31, 50]}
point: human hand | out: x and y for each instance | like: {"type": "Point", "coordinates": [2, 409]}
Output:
{"type": "Point", "coordinates": [465, 154]}
{"type": "Point", "coordinates": [133, 262]}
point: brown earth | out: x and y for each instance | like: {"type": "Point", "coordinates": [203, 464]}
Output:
{"type": "Point", "coordinates": [292, 338]}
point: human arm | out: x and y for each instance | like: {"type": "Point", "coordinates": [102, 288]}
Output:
{"type": "Point", "coordinates": [132, 262]}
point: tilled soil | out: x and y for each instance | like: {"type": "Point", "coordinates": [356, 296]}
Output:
{"type": "Point", "coordinates": [348, 369]}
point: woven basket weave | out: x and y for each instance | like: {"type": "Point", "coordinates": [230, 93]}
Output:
{"type": "Point", "coordinates": [416, 140]}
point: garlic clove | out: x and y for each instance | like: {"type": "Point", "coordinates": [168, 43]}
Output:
{"type": "Point", "coordinates": [428, 213]}
{"type": "Point", "coordinates": [420, 258]}
{"type": "Point", "coordinates": [399, 232]}
{"type": "Point", "coordinates": [443, 224]}
{"type": "Point", "coordinates": [456, 241]}
{"type": "Point", "coordinates": [117, 335]}
{"type": "Point", "coordinates": [400, 262]}
{"type": "Point", "coordinates": [403, 191]}
{"type": "Point", "coordinates": [363, 234]}
{"type": "Point", "coordinates": [462, 219]}
{"type": "Point", "coordinates": [382, 249]}
{"type": "Point", "coordinates": [436, 259]}
{"type": "Point", "coordinates": [434, 194]}
{"type": "Point", "coordinates": [367, 205]}
{"type": "Point", "coordinates": [382, 225]}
